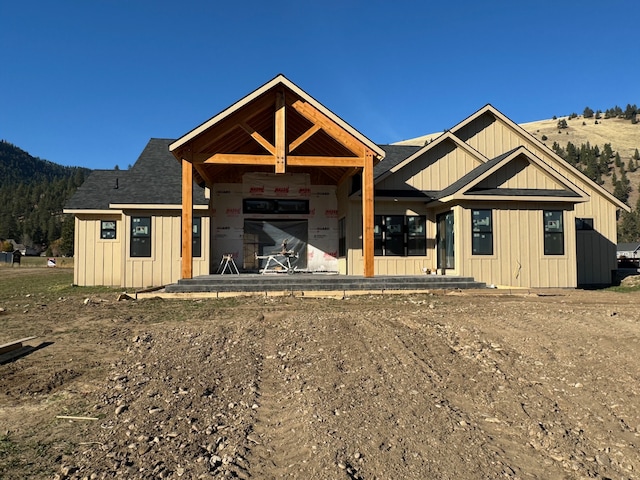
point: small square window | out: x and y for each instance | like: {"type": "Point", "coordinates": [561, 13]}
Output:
{"type": "Point", "coordinates": [108, 229]}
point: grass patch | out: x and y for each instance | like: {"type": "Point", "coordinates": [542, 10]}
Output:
{"type": "Point", "coordinates": [43, 284]}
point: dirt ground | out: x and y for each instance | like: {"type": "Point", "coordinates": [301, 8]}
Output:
{"type": "Point", "coordinates": [462, 385]}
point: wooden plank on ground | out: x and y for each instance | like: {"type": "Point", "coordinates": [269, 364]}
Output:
{"type": "Point", "coordinates": [15, 345]}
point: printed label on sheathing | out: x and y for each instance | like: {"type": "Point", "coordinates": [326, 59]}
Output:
{"type": "Point", "coordinates": [331, 213]}
{"type": "Point", "coordinates": [223, 192]}
{"type": "Point", "coordinates": [304, 192]}
{"type": "Point", "coordinates": [281, 190]}
{"type": "Point", "coordinates": [312, 212]}
{"type": "Point", "coordinates": [330, 255]}
{"type": "Point", "coordinates": [256, 190]}
{"type": "Point", "coordinates": [232, 212]}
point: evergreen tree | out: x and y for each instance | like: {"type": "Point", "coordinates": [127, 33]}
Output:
{"type": "Point", "coordinates": [588, 113]}
{"type": "Point", "coordinates": [628, 227]}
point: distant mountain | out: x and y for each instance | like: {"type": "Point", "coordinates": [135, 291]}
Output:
{"type": "Point", "coordinates": [32, 194]}
{"type": "Point", "coordinates": [17, 166]}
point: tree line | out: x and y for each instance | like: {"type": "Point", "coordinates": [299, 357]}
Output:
{"type": "Point", "coordinates": [598, 163]}
{"type": "Point", "coordinates": [32, 196]}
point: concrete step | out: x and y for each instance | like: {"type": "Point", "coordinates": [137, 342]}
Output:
{"type": "Point", "coordinates": [307, 282]}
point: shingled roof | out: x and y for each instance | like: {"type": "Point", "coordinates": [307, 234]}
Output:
{"type": "Point", "coordinates": [155, 179]}
{"type": "Point", "coordinates": [394, 154]}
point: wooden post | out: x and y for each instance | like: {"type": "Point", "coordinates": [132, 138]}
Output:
{"type": "Point", "coordinates": [280, 133]}
{"type": "Point", "coordinates": [367, 215]}
{"type": "Point", "coordinates": [187, 219]}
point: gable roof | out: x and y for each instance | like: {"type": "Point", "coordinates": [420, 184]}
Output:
{"type": "Point", "coordinates": [278, 80]}
{"type": "Point", "coordinates": [465, 184]}
{"type": "Point", "coordinates": [155, 179]}
{"type": "Point", "coordinates": [628, 247]}
{"type": "Point", "coordinates": [524, 134]}
{"type": "Point", "coordinates": [391, 167]}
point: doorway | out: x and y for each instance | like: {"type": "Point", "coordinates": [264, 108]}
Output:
{"type": "Point", "coordinates": [265, 237]}
{"type": "Point", "coordinates": [445, 241]}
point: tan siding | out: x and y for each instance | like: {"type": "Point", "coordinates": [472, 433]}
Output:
{"type": "Point", "coordinates": [491, 137]}
{"type": "Point", "coordinates": [518, 259]}
{"type": "Point", "coordinates": [435, 170]}
{"type": "Point", "coordinates": [519, 173]}
{"type": "Point", "coordinates": [97, 261]}
{"type": "Point", "coordinates": [164, 265]}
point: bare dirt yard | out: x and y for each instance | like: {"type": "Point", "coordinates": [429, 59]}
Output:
{"type": "Point", "coordinates": [453, 385]}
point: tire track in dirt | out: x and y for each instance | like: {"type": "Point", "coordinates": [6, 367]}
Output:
{"type": "Point", "coordinates": [278, 426]}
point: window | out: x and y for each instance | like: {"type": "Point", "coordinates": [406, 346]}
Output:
{"type": "Point", "coordinates": [399, 235]}
{"type": "Point", "coordinates": [140, 237]}
{"type": "Point", "coordinates": [108, 229]}
{"type": "Point", "coordinates": [481, 232]}
{"type": "Point", "coordinates": [342, 237]}
{"type": "Point", "coordinates": [416, 236]}
{"type": "Point", "coordinates": [553, 232]}
{"type": "Point", "coordinates": [584, 224]}
{"type": "Point", "coordinates": [275, 206]}
{"type": "Point", "coordinates": [196, 237]}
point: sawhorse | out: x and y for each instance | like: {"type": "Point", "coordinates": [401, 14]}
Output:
{"type": "Point", "coordinates": [227, 262]}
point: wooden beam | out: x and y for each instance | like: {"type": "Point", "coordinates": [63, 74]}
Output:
{"type": "Point", "coordinates": [203, 173]}
{"type": "Point", "coordinates": [204, 140]}
{"type": "Point", "coordinates": [187, 219]}
{"type": "Point", "coordinates": [280, 133]}
{"type": "Point", "coordinates": [303, 138]}
{"type": "Point", "coordinates": [329, 126]}
{"type": "Point", "coordinates": [235, 159]}
{"type": "Point", "coordinates": [258, 138]}
{"type": "Point", "coordinates": [367, 216]}
{"type": "Point", "coordinates": [313, 161]}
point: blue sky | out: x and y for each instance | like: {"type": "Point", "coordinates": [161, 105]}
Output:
{"type": "Point", "coordinates": [87, 83]}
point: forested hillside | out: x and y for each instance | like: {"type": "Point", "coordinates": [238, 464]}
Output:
{"type": "Point", "coordinates": [32, 195]}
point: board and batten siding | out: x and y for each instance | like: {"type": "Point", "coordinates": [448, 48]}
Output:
{"type": "Point", "coordinates": [436, 169]}
{"type": "Point", "coordinates": [97, 261]}
{"type": "Point", "coordinates": [164, 265]}
{"type": "Point", "coordinates": [518, 258]}
{"type": "Point", "coordinates": [492, 137]}
{"type": "Point", "coordinates": [520, 173]}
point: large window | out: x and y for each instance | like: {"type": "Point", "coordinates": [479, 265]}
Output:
{"type": "Point", "coordinates": [400, 235]}
{"type": "Point", "coordinates": [553, 232]}
{"type": "Point", "coordinates": [481, 232]}
{"type": "Point", "coordinates": [140, 236]}
{"type": "Point", "coordinates": [108, 229]}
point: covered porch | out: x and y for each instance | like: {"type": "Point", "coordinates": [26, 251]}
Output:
{"type": "Point", "coordinates": [278, 131]}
